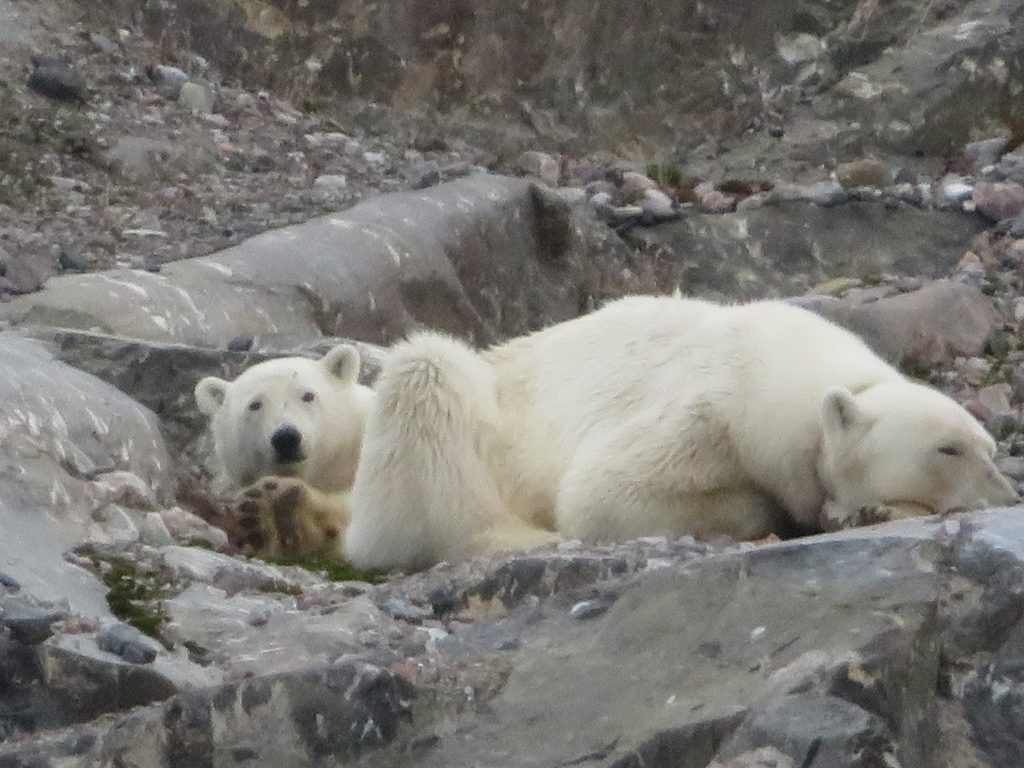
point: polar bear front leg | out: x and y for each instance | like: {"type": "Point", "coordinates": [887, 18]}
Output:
{"type": "Point", "coordinates": [286, 516]}
{"type": "Point", "coordinates": [835, 517]}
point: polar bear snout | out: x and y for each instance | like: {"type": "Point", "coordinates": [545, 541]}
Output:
{"type": "Point", "coordinates": [286, 441]}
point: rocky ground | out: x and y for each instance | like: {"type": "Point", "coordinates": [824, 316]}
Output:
{"type": "Point", "coordinates": [187, 188]}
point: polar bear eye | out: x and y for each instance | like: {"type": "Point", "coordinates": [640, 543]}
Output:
{"type": "Point", "coordinates": [950, 450]}
{"type": "Point", "coordinates": [255, 405]}
{"type": "Point", "coordinates": [308, 397]}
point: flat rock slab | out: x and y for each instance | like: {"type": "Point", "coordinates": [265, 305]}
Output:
{"type": "Point", "coordinates": [483, 257]}
{"type": "Point", "coordinates": [891, 645]}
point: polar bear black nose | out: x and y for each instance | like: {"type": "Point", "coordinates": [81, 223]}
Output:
{"type": "Point", "coordinates": [287, 443]}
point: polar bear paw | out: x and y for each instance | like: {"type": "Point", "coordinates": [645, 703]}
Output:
{"type": "Point", "coordinates": [285, 516]}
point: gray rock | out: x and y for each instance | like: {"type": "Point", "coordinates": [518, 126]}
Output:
{"type": "Point", "coordinates": [923, 329]}
{"type": "Point", "coordinates": [987, 151]}
{"type": "Point", "coordinates": [331, 181]}
{"type": "Point", "coordinates": [195, 98]}
{"type": "Point", "coordinates": [372, 273]}
{"type": "Point", "coordinates": [169, 80]}
{"type": "Point", "coordinates": [28, 623]}
{"type": "Point", "coordinates": [56, 79]}
{"type": "Point", "coordinates": [63, 430]}
{"type": "Point", "coordinates": [657, 205]}
{"type": "Point", "coordinates": [867, 172]}
{"type": "Point", "coordinates": [999, 200]}
{"type": "Point", "coordinates": [785, 248]}
{"type": "Point", "coordinates": [128, 643]}
{"type": "Point", "coordinates": [825, 193]}
{"type": "Point", "coordinates": [540, 165]}
{"type": "Point", "coordinates": [102, 43]}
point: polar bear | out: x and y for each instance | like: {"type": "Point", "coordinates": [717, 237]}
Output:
{"type": "Point", "coordinates": [295, 425]}
{"type": "Point", "coordinates": [653, 416]}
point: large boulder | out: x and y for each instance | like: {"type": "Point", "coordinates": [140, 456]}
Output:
{"type": "Point", "coordinates": [484, 257]}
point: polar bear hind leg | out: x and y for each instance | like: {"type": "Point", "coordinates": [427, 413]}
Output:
{"type": "Point", "coordinates": [620, 487]}
{"type": "Point", "coordinates": [427, 487]}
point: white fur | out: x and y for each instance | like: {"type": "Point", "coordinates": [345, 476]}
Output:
{"type": "Point", "coordinates": [650, 416]}
{"type": "Point", "coordinates": [331, 424]}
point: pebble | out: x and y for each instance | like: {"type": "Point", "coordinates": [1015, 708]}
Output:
{"type": "Point", "coordinates": [957, 190]}
{"type": "Point", "coordinates": [588, 609]}
{"type": "Point", "coordinates": [168, 80]}
{"type": "Point", "coordinates": [657, 204]}
{"type": "Point", "coordinates": [718, 202]}
{"type": "Point", "coordinates": [195, 98]}
{"type": "Point", "coordinates": [102, 43]}
{"type": "Point", "coordinates": [635, 184]}
{"type": "Point", "coordinates": [868, 172]}
{"type": "Point", "coordinates": [56, 79]}
{"type": "Point", "coordinates": [28, 624]}
{"type": "Point", "coordinates": [541, 165]}
{"type": "Point", "coordinates": [332, 181]}
{"type": "Point", "coordinates": [129, 643]}
{"type": "Point", "coordinates": [825, 193]}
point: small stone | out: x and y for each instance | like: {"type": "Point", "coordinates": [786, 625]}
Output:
{"type": "Point", "coordinates": [835, 287]}
{"type": "Point", "coordinates": [868, 172]}
{"type": "Point", "coordinates": [154, 532]}
{"type": "Point", "coordinates": [825, 193]}
{"type": "Point", "coordinates": [331, 181]}
{"type": "Point", "coordinates": [129, 643]}
{"type": "Point", "coordinates": [598, 187]}
{"type": "Point", "coordinates": [56, 79]}
{"type": "Point", "coordinates": [799, 48]}
{"type": "Point", "coordinates": [126, 489]}
{"type": "Point", "coordinates": [623, 214]}
{"type": "Point", "coordinates": [168, 80]}
{"type": "Point", "coordinates": [541, 165]}
{"type": "Point", "coordinates": [635, 184]}
{"type": "Point", "coordinates": [996, 397]}
{"type": "Point", "coordinates": [375, 158]}
{"type": "Point", "coordinates": [601, 199]}
{"type": "Point", "coordinates": [657, 204]}
{"type": "Point", "coordinates": [956, 189]}
{"type": "Point", "coordinates": [102, 43]}
{"type": "Point", "coordinates": [718, 202]}
{"type": "Point", "coordinates": [588, 609]}
{"type": "Point", "coordinates": [240, 344]}
{"type": "Point", "coordinates": [28, 624]}
{"type": "Point", "coordinates": [906, 176]}
{"type": "Point", "coordinates": [999, 200]}
{"type": "Point", "coordinates": [195, 98]}
{"type": "Point", "coordinates": [755, 201]}
{"type": "Point", "coordinates": [987, 151]}
{"type": "Point", "coordinates": [975, 370]}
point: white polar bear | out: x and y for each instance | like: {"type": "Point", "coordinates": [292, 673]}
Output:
{"type": "Point", "coordinates": [652, 416]}
{"type": "Point", "coordinates": [296, 425]}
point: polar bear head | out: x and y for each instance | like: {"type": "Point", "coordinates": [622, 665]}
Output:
{"type": "Point", "coordinates": [901, 443]}
{"type": "Point", "coordinates": [292, 416]}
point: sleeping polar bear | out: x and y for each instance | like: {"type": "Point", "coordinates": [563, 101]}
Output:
{"type": "Point", "coordinates": [652, 416]}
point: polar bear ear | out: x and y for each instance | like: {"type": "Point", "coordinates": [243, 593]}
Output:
{"type": "Point", "coordinates": [840, 412]}
{"type": "Point", "coordinates": [210, 394]}
{"type": "Point", "coordinates": [342, 362]}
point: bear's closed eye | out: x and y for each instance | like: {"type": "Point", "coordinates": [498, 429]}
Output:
{"type": "Point", "coordinates": [949, 450]}
{"type": "Point", "coordinates": [255, 405]}
{"type": "Point", "coordinates": [308, 397]}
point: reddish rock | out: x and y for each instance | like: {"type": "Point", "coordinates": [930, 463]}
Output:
{"type": "Point", "coordinates": [998, 200]}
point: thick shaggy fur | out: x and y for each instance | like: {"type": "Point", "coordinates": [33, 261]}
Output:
{"type": "Point", "coordinates": [651, 416]}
